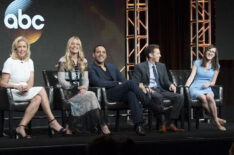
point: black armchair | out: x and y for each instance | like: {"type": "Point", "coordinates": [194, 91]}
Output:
{"type": "Point", "coordinates": [112, 106]}
{"type": "Point", "coordinates": [8, 104]}
{"type": "Point", "coordinates": [59, 100]}
{"type": "Point", "coordinates": [193, 106]}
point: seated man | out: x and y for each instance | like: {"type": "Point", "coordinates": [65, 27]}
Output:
{"type": "Point", "coordinates": [154, 74]}
{"type": "Point", "coordinates": [106, 75]}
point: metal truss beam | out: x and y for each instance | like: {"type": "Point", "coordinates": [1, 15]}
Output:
{"type": "Point", "coordinates": [136, 31]}
{"type": "Point", "coordinates": [200, 27]}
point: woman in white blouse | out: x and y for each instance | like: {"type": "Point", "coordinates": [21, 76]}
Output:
{"type": "Point", "coordinates": [18, 74]}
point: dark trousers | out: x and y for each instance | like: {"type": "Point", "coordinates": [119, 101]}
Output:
{"type": "Point", "coordinates": [129, 92]}
{"type": "Point", "coordinates": [177, 101]}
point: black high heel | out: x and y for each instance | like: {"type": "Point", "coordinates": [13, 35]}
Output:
{"type": "Point", "coordinates": [19, 136]}
{"type": "Point", "coordinates": [101, 131]}
{"type": "Point", "coordinates": [52, 131]}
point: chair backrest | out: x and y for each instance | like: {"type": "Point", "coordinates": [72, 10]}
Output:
{"type": "Point", "coordinates": [51, 78]}
{"type": "Point", "coordinates": [130, 74]}
{"type": "Point", "coordinates": [179, 77]}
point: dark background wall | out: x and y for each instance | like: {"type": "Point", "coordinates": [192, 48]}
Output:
{"type": "Point", "coordinates": [98, 23]}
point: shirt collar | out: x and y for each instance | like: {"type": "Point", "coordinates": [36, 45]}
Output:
{"type": "Point", "coordinates": [151, 65]}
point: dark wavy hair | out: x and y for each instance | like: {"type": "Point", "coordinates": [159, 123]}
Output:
{"type": "Point", "coordinates": [214, 61]}
{"type": "Point", "coordinates": [150, 49]}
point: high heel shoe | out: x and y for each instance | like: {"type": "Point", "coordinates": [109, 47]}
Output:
{"type": "Point", "coordinates": [19, 136]}
{"type": "Point", "coordinates": [53, 131]}
{"type": "Point", "coordinates": [105, 130]}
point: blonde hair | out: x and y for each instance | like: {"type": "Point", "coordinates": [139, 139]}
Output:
{"type": "Point", "coordinates": [15, 43]}
{"type": "Point", "coordinates": [80, 56]}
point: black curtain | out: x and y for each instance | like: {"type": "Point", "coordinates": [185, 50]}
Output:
{"type": "Point", "coordinates": [169, 26]}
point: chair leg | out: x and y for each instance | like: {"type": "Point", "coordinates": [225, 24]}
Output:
{"type": "Point", "coordinates": [63, 113]}
{"type": "Point", "coordinates": [30, 128]}
{"type": "Point", "coordinates": [158, 123]}
{"type": "Point", "coordinates": [189, 119]}
{"type": "Point", "coordinates": [197, 118]}
{"type": "Point", "coordinates": [150, 119]}
{"type": "Point", "coordinates": [182, 119]}
{"type": "Point", "coordinates": [11, 123]}
{"type": "Point", "coordinates": [219, 112]}
{"type": "Point", "coordinates": [1, 123]}
{"type": "Point", "coordinates": [117, 121]}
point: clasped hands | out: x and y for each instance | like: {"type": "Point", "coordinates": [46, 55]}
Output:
{"type": "Point", "coordinates": [171, 88]}
{"type": "Point", "coordinates": [82, 89]}
{"type": "Point", "coordinates": [22, 88]}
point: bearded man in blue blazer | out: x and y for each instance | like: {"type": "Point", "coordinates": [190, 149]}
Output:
{"type": "Point", "coordinates": [102, 74]}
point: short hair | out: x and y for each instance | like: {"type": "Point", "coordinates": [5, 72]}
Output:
{"type": "Point", "coordinates": [150, 49]}
{"type": "Point", "coordinates": [15, 43]}
{"type": "Point", "coordinates": [99, 45]}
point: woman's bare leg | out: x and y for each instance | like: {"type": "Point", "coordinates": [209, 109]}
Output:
{"type": "Point", "coordinates": [212, 106]}
{"type": "Point", "coordinates": [204, 101]}
{"type": "Point", "coordinates": [29, 113]}
{"type": "Point", "coordinates": [45, 104]}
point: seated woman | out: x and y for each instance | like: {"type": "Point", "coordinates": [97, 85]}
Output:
{"type": "Point", "coordinates": [18, 74]}
{"type": "Point", "coordinates": [203, 76]}
{"type": "Point", "coordinates": [73, 77]}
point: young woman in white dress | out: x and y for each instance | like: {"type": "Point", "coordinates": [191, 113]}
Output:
{"type": "Point", "coordinates": [18, 74]}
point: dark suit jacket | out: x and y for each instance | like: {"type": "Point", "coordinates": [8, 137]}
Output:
{"type": "Point", "coordinates": [97, 76]}
{"type": "Point", "coordinates": [141, 74]}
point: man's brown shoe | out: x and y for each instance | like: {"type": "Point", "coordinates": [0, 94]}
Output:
{"type": "Point", "coordinates": [163, 129]}
{"type": "Point", "coordinates": [173, 128]}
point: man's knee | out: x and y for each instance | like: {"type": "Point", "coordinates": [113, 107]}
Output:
{"type": "Point", "coordinates": [131, 83]}
{"type": "Point", "coordinates": [180, 97]}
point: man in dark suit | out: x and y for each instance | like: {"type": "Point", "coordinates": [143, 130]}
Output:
{"type": "Point", "coordinates": [102, 74]}
{"type": "Point", "coordinates": [153, 74]}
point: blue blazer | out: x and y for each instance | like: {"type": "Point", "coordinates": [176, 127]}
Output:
{"type": "Point", "coordinates": [97, 77]}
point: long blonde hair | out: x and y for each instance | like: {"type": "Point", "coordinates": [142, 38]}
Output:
{"type": "Point", "coordinates": [80, 56]}
{"type": "Point", "coordinates": [15, 43]}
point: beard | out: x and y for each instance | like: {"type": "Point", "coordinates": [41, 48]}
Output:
{"type": "Point", "coordinates": [98, 62]}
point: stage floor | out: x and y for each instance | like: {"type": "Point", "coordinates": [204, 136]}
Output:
{"type": "Point", "coordinates": [200, 141]}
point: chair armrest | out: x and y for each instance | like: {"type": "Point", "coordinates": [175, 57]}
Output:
{"type": "Point", "coordinates": [50, 93]}
{"type": "Point", "coordinates": [98, 92]}
{"type": "Point", "coordinates": [148, 93]}
{"type": "Point", "coordinates": [180, 89]}
{"type": "Point", "coordinates": [218, 92]}
{"type": "Point", "coordinates": [4, 97]}
{"type": "Point", "coordinates": [188, 98]}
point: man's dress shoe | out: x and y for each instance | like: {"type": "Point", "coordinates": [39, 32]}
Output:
{"type": "Point", "coordinates": [163, 129]}
{"type": "Point", "coordinates": [140, 130]}
{"type": "Point", "coordinates": [173, 128]}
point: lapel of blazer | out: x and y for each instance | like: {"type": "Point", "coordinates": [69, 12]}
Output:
{"type": "Point", "coordinates": [111, 71]}
{"type": "Point", "coordinates": [146, 68]}
{"type": "Point", "coordinates": [159, 71]}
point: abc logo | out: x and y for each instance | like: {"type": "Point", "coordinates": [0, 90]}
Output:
{"type": "Point", "coordinates": [22, 19]}
{"type": "Point", "coordinates": [12, 22]}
